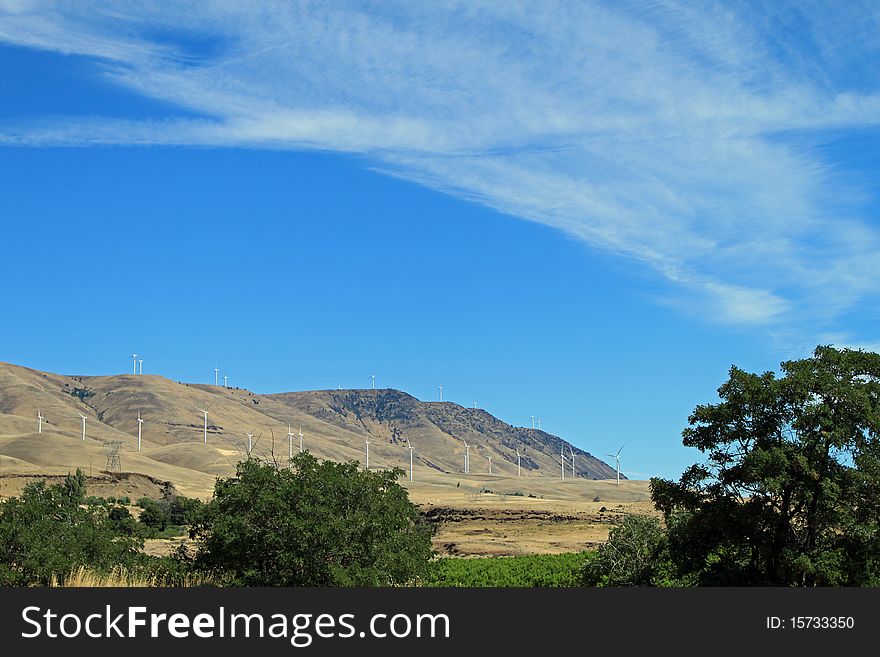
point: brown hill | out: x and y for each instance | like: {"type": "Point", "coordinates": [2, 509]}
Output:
{"type": "Point", "coordinates": [334, 424]}
{"type": "Point", "coordinates": [439, 430]}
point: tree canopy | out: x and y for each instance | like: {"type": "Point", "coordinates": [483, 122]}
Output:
{"type": "Point", "coordinates": [319, 523]}
{"type": "Point", "coordinates": [789, 493]}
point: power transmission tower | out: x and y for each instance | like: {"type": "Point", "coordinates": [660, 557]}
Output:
{"type": "Point", "coordinates": [112, 450]}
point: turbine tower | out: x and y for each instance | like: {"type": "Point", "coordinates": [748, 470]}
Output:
{"type": "Point", "coordinates": [539, 424]}
{"type": "Point", "coordinates": [441, 393]}
{"type": "Point", "coordinates": [84, 424]}
{"type": "Point", "coordinates": [225, 384]}
{"type": "Point", "coordinates": [216, 376]}
{"type": "Point", "coordinates": [518, 461]}
{"type": "Point", "coordinates": [140, 366]}
{"type": "Point", "coordinates": [289, 442]}
{"type": "Point", "coordinates": [617, 458]}
{"type": "Point", "coordinates": [40, 419]}
{"type": "Point", "coordinates": [373, 377]}
{"type": "Point", "coordinates": [490, 464]}
{"type": "Point", "coordinates": [367, 448]}
{"type": "Point", "coordinates": [533, 423]}
{"type": "Point", "coordinates": [562, 458]}
{"type": "Point", "coordinates": [571, 454]}
{"type": "Point", "coordinates": [140, 424]}
{"type": "Point", "coordinates": [250, 443]}
{"type": "Point", "coordinates": [300, 440]}
{"type": "Point", "coordinates": [134, 364]}
{"type": "Point", "coordinates": [467, 457]}
{"type": "Point", "coordinates": [206, 424]}
{"type": "Point", "coordinates": [410, 459]}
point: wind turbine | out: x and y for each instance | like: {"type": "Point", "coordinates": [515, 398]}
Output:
{"type": "Point", "coordinates": [373, 377]}
{"type": "Point", "coordinates": [300, 440]}
{"type": "Point", "coordinates": [518, 467]}
{"type": "Point", "coordinates": [533, 423]}
{"type": "Point", "coordinates": [84, 417]}
{"type": "Point", "coordinates": [140, 424]}
{"type": "Point", "coordinates": [225, 385]}
{"type": "Point", "coordinates": [206, 425]}
{"type": "Point", "coordinates": [40, 419]}
{"type": "Point", "coordinates": [367, 447]}
{"type": "Point", "coordinates": [617, 458]}
{"type": "Point", "coordinates": [289, 442]}
{"type": "Point", "coordinates": [539, 424]}
{"type": "Point", "coordinates": [562, 458]}
{"type": "Point", "coordinates": [441, 393]}
{"type": "Point", "coordinates": [571, 454]}
{"type": "Point", "coordinates": [216, 375]}
{"type": "Point", "coordinates": [140, 366]}
{"type": "Point", "coordinates": [410, 459]}
{"type": "Point", "coordinates": [490, 464]}
{"type": "Point", "coordinates": [467, 457]}
{"type": "Point", "coordinates": [134, 365]}
{"type": "Point", "coordinates": [250, 443]}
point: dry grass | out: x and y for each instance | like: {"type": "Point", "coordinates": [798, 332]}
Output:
{"type": "Point", "coordinates": [84, 577]}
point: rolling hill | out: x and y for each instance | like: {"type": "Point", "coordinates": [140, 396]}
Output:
{"type": "Point", "coordinates": [334, 424]}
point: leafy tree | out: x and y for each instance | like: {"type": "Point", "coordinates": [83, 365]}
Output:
{"type": "Point", "coordinates": [788, 493]}
{"type": "Point", "coordinates": [183, 510]}
{"type": "Point", "coordinates": [319, 523]}
{"type": "Point", "coordinates": [122, 521]}
{"type": "Point", "coordinates": [154, 514]}
{"type": "Point", "coordinates": [50, 530]}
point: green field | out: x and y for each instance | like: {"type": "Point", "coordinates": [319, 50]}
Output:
{"type": "Point", "coordinates": [525, 571]}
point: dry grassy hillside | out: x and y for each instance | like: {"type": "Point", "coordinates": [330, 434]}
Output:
{"type": "Point", "coordinates": [334, 426]}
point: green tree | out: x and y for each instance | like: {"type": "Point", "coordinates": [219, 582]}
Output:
{"type": "Point", "coordinates": [50, 530]}
{"type": "Point", "coordinates": [319, 523]}
{"type": "Point", "coordinates": [154, 515]}
{"type": "Point", "coordinates": [183, 510]}
{"type": "Point", "coordinates": [788, 492]}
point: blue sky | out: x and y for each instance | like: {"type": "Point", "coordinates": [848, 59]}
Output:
{"type": "Point", "coordinates": [584, 212]}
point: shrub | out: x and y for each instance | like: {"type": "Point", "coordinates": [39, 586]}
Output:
{"type": "Point", "coordinates": [635, 554]}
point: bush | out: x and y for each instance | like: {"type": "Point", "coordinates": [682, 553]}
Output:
{"type": "Point", "coordinates": [635, 554]}
{"type": "Point", "coordinates": [316, 524]}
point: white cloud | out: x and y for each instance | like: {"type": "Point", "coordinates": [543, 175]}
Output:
{"type": "Point", "coordinates": [682, 136]}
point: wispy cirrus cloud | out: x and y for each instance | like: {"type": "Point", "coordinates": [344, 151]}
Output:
{"type": "Point", "coordinates": [684, 137]}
